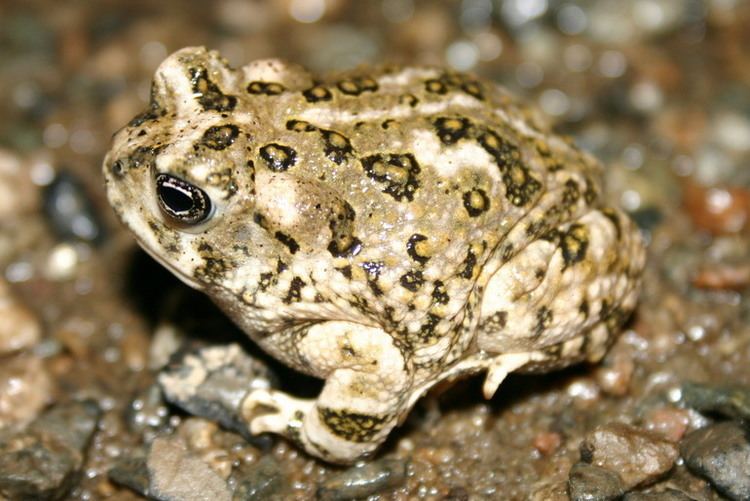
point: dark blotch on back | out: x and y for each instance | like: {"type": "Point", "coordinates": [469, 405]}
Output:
{"type": "Point", "coordinates": [219, 137]}
{"type": "Point", "coordinates": [411, 248]}
{"type": "Point", "coordinates": [290, 242]}
{"type": "Point", "coordinates": [337, 147]}
{"type": "Point", "coordinates": [208, 93]}
{"type": "Point", "coordinates": [357, 85]}
{"type": "Point", "coordinates": [451, 129]}
{"type": "Point", "coordinates": [266, 88]}
{"type": "Point", "coordinates": [300, 126]}
{"type": "Point", "coordinates": [439, 293]}
{"type": "Point", "coordinates": [398, 172]}
{"type": "Point", "coordinates": [278, 157]}
{"type": "Point", "coordinates": [476, 202]}
{"type": "Point", "coordinates": [295, 287]}
{"type": "Point", "coordinates": [317, 93]}
{"type": "Point", "coordinates": [412, 280]}
{"type": "Point", "coordinates": [341, 221]}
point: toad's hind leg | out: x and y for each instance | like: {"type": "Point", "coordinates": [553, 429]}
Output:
{"type": "Point", "coordinates": [562, 298]}
{"type": "Point", "coordinates": [364, 396]}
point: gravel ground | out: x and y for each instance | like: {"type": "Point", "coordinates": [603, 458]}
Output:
{"type": "Point", "coordinates": [657, 89]}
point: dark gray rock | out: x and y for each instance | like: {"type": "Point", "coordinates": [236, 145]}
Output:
{"type": "Point", "coordinates": [587, 482]}
{"type": "Point", "coordinates": [639, 456]}
{"type": "Point", "coordinates": [363, 480]}
{"type": "Point", "coordinates": [667, 495]}
{"type": "Point", "coordinates": [721, 453]}
{"type": "Point", "coordinates": [261, 480]}
{"type": "Point", "coordinates": [213, 382]}
{"type": "Point", "coordinates": [44, 461]}
{"type": "Point", "coordinates": [131, 473]}
{"type": "Point", "coordinates": [70, 211]}
{"type": "Point", "coordinates": [732, 401]}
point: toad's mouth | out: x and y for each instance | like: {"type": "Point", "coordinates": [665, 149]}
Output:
{"type": "Point", "coordinates": [175, 271]}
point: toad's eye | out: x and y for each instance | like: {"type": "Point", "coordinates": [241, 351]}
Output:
{"type": "Point", "coordinates": [181, 201]}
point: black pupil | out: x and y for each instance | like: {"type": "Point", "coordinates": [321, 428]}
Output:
{"type": "Point", "coordinates": [176, 199]}
{"type": "Point", "coordinates": [182, 201]}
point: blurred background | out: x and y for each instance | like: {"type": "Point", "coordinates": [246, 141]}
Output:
{"type": "Point", "coordinates": [657, 89]}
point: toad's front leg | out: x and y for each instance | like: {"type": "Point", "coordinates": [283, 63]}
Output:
{"type": "Point", "coordinates": [365, 394]}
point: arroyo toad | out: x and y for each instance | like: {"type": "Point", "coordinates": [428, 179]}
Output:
{"type": "Point", "coordinates": [383, 231]}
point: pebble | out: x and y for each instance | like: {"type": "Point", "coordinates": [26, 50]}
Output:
{"type": "Point", "coordinates": [588, 482]}
{"type": "Point", "coordinates": [166, 340]}
{"type": "Point", "coordinates": [723, 276]}
{"type": "Point", "coordinates": [131, 473]}
{"type": "Point", "coordinates": [717, 210]}
{"type": "Point", "coordinates": [18, 194]}
{"type": "Point", "coordinates": [25, 387]}
{"type": "Point", "coordinates": [258, 481]}
{"type": "Point", "coordinates": [721, 453]}
{"type": "Point", "coordinates": [731, 401]}
{"type": "Point", "coordinates": [43, 461]}
{"type": "Point", "coordinates": [669, 422]}
{"type": "Point", "coordinates": [19, 328]}
{"type": "Point", "coordinates": [547, 442]}
{"type": "Point", "coordinates": [556, 491]}
{"type": "Point", "coordinates": [177, 475]}
{"type": "Point", "coordinates": [213, 382]}
{"type": "Point", "coordinates": [364, 480]}
{"type": "Point", "coordinates": [666, 495]}
{"type": "Point", "coordinates": [70, 211]}
{"type": "Point", "coordinates": [639, 456]}
{"type": "Point", "coordinates": [615, 372]}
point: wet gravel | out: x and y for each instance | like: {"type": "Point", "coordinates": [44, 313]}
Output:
{"type": "Point", "coordinates": [657, 90]}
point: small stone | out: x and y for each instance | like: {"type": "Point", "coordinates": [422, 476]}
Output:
{"type": "Point", "coordinates": [723, 276]}
{"type": "Point", "coordinates": [640, 457]}
{"type": "Point", "coordinates": [44, 461]}
{"type": "Point", "coordinates": [213, 382]}
{"type": "Point", "coordinates": [547, 442]}
{"type": "Point", "coordinates": [19, 328]}
{"type": "Point", "coordinates": [587, 482]}
{"type": "Point", "coordinates": [259, 480]}
{"type": "Point", "coordinates": [18, 194]}
{"type": "Point", "coordinates": [167, 339]}
{"type": "Point", "coordinates": [70, 211]}
{"type": "Point", "coordinates": [721, 453]}
{"type": "Point", "coordinates": [731, 401]}
{"type": "Point", "coordinates": [557, 491]}
{"type": "Point", "coordinates": [25, 387]}
{"type": "Point", "coordinates": [131, 473]}
{"type": "Point", "coordinates": [177, 475]}
{"type": "Point", "coordinates": [718, 210]}
{"type": "Point", "coordinates": [364, 480]}
{"type": "Point", "coordinates": [669, 422]}
{"type": "Point", "coordinates": [62, 262]}
{"type": "Point", "coordinates": [667, 495]}
{"type": "Point", "coordinates": [613, 375]}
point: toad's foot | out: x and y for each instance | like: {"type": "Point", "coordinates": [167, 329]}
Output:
{"type": "Point", "coordinates": [274, 411]}
{"type": "Point", "coordinates": [365, 393]}
{"type": "Point", "coordinates": [499, 367]}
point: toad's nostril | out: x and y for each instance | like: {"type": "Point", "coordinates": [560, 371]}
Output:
{"type": "Point", "coordinates": [117, 168]}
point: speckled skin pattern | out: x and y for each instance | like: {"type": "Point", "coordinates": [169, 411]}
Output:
{"type": "Point", "coordinates": [384, 230]}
